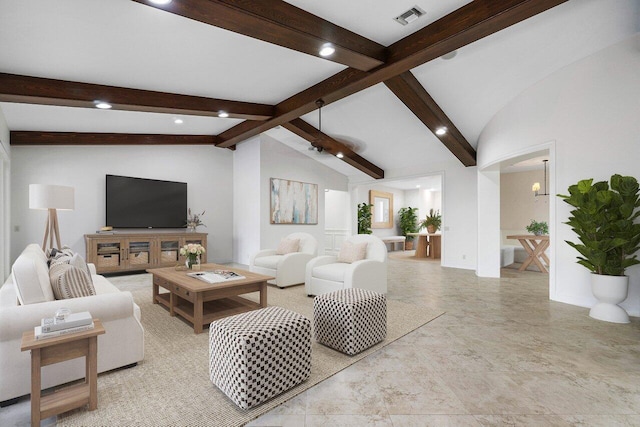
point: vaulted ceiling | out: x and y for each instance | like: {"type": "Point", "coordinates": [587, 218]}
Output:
{"type": "Point", "coordinates": [385, 90]}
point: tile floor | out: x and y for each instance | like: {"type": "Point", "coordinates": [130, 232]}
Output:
{"type": "Point", "coordinates": [502, 354]}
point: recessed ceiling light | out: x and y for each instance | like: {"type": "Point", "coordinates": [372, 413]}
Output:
{"type": "Point", "coordinates": [418, 186]}
{"type": "Point", "coordinates": [178, 121]}
{"type": "Point", "coordinates": [340, 155]}
{"type": "Point", "coordinates": [441, 131]}
{"type": "Point", "coordinates": [327, 49]}
{"type": "Point", "coordinates": [160, 1]}
{"type": "Point", "coordinates": [102, 105]}
{"type": "Point", "coordinates": [223, 114]}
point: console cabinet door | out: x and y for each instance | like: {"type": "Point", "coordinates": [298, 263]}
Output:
{"type": "Point", "coordinates": [107, 254]}
{"type": "Point", "coordinates": [139, 253]}
{"type": "Point", "coordinates": [169, 252]}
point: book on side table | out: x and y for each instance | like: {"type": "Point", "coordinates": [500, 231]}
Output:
{"type": "Point", "coordinates": [53, 327]}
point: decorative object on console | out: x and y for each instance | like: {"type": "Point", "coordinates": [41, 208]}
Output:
{"type": "Point", "coordinates": [51, 197]}
{"type": "Point", "coordinates": [604, 218]}
{"type": "Point", "coordinates": [432, 222]}
{"type": "Point", "coordinates": [193, 221]}
{"type": "Point", "coordinates": [293, 202]}
{"type": "Point", "coordinates": [192, 251]}
{"type": "Point", "coordinates": [538, 228]}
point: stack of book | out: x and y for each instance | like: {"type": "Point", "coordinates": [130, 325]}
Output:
{"type": "Point", "coordinates": [75, 322]}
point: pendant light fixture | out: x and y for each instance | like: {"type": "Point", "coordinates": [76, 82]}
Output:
{"type": "Point", "coordinates": [536, 185]}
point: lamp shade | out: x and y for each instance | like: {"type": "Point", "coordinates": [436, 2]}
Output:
{"type": "Point", "coordinates": [42, 196]}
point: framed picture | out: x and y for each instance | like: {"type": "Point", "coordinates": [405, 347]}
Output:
{"type": "Point", "coordinates": [293, 202]}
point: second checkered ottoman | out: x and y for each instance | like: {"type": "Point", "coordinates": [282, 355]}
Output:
{"type": "Point", "coordinates": [350, 320]}
{"type": "Point", "coordinates": [256, 355]}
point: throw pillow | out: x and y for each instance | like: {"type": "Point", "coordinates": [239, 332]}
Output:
{"type": "Point", "coordinates": [77, 261]}
{"type": "Point", "coordinates": [68, 281]}
{"type": "Point", "coordinates": [352, 252]}
{"type": "Point", "coordinates": [287, 246]}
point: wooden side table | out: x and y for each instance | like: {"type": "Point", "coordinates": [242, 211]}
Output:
{"type": "Point", "coordinates": [59, 349]}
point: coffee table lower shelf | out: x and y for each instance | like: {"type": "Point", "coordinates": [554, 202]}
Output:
{"type": "Point", "coordinates": [211, 310]}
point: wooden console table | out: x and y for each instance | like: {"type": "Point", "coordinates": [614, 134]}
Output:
{"type": "Point", "coordinates": [59, 349]}
{"type": "Point", "coordinates": [535, 247]}
{"type": "Point", "coordinates": [432, 241]}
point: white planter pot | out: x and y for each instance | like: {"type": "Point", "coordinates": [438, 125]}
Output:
{"type": "Point", "coordinates": [610, 291]}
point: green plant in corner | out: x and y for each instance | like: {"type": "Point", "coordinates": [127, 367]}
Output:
{"type": "Point", "coordinates": [538, 228]}
{"type": "Point", "coordinates": [604, 220]}
{"type": "Point", "coordinates": [364, 218]}
{"type": "Point", "coordinates": [432, 222]}
{"type": "Point", "coordinates": [408, 221]}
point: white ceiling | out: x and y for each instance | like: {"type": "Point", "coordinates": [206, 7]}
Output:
{"type": "Point", "coordinates": [123, 43]}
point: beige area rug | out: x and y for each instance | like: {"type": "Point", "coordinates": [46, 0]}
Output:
{"type": "Point", "coordinates": [171, 386]}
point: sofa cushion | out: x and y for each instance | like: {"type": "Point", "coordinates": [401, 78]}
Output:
{"type": "Point", "coordinates": [268, 261]}
{"type": "Point", "coordinates": [68, 281]}
{"type": "Point", "coordinates": [352, 252]}
{"type": "Point", "coordinates": [334, 272]}
{"type": "Point", "coordinates": [287, 246]}
{"type": "Point", "coordinates": [31, 276]}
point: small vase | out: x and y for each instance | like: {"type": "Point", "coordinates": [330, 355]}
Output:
{"type": "Point", "coordinates": [193, 262]}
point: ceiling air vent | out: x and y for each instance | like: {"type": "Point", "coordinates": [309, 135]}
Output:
{"type": "Point", "coordinates": [410, 15]}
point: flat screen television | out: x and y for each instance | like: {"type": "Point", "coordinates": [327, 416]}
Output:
{"type": "Point", "coordinates": [145, 203]}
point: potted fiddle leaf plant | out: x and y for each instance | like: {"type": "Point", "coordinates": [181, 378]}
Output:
{"type": "Point", "coordinates": [605, 219]}
{"type": "Point", "coordinates": [364, 218]}
{"type": "Point", "coordinates": [432, 222]}
{"type": "Point", "coordinates": [408, 223]}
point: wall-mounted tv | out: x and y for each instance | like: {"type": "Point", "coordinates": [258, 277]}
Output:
{"type": "Point", "coordinates": [145, 203]}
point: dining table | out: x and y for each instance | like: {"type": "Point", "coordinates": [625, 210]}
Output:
{"type": "Point", "coordinates": [535, 246]}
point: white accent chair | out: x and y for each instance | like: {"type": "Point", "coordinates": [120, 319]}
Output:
{"type": "Point", "coordinates": [325, 274]}
{"type": "Point", "coordinates": [288, 269]}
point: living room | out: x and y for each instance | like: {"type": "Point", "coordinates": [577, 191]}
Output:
{"type": "Point", "coordinates": [579, 110]}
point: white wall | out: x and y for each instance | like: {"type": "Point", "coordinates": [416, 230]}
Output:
{"type": "Point", "coordinates": [5, 197]}
{"type": "Point", "coordinates": [208, 172]}
{"type": "Point", "coordinates": [279, 161]}
{"type": "Point", "coordinates": [336, 204]}
{"type": "Point", "coordinates": [246, 199]}
{"type": "Point", "coordinates": [591, 110]}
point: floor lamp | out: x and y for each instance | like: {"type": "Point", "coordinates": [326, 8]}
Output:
{"type": "Point", "coordinates": [51, 197]}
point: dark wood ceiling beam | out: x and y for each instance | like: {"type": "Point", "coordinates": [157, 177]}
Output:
{"type": "Point", "coordinates": [282, 24]}
{"type": "Point", "coordinates": [331, 146]}
{"type": "Point", "coordinates": [37, 90]}
{"type": "Point", "coordinates": [409, 90]}
{"type": "Point", "coordinates": [472, 22]}
{"type": "Point", "coordinates": [83, 138]}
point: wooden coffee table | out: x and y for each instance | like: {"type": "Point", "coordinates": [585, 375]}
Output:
{"type": "Point", "coordinates": [200, 302]}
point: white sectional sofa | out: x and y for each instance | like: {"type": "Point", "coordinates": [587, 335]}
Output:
{"type": "Point", "coordinates": [121, 345]}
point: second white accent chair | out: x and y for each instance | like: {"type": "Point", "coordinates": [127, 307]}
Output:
{"type": "Point", "coordinates": [352, 268]}
{"type": "Point", "coordinates": [287, 263]}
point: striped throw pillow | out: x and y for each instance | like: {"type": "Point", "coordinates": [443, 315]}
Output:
{"type": "Point", "coordinates": [68, 281]}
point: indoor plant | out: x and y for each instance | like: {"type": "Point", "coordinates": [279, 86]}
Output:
{"type": "Point", "coordinates": [604, 220]}
{"type": "Point", "coordinates": [432, 222]}
{"type": "Point", "coordinates": [194, 220]}
{"type": "Point", "coordinates": [408, 223]}
{"type": "Point", "coordinates": [538, 228]}
{"type": "Point", "coordinates": [364, 218]}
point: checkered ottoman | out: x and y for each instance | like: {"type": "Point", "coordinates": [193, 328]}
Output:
{"type": "Point", "coordinates": [350, 320]}
{"type": "Point", "coordinates": [256, 355]}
